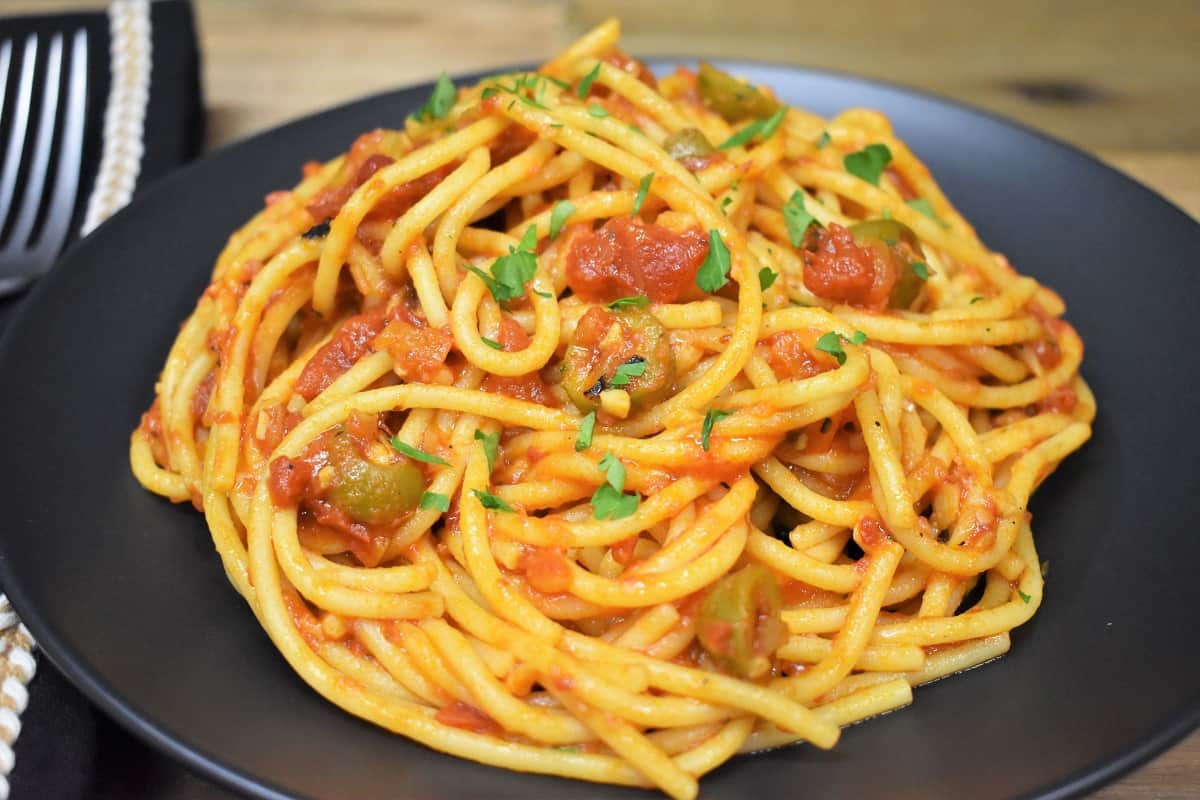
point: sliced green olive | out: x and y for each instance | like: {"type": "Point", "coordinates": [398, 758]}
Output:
{"type": "Point", "coordinates": [687, 143]}
{"type": "Point", "coordinates": [627, 349]}
{"type": "Point", "coordinates": [732, 99]}
{"type": "Point", "coordinates": [896, 242]}
{"type": "Point", "coordinates": [368, 491]}
{"type": "Point", "coordinates": [739, 622]}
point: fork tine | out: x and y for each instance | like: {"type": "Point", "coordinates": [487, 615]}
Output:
{"type": "Point", "coordinates": [70, 155]}
{"type": "Point", "coordinates": [16, 136]}
{"type": "Point", "coordinates": [43, 145]}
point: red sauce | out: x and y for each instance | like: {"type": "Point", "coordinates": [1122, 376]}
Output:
{"type": "Point", "coordinates": [513, 140]}
{"type": "Point", "coordinates": [547, 569]}
{"type": "Point", "coordinates": [622, 551]}
{"type": "Point", "coordinates": [418, 350]}
{"type": "Point", "coordinates": [717, 635]}
{"type": "Point", "coordinates": [1063, 400]}
{"type": "Point", "coordinates": [202, 396]}
{"type": "Point", "coordinates": [460, 715]}
{"type": "Point", "coordinates": [789, 356]}
{"type": "Point", "coordinates": [844, 272]}
{"type": "Point", "coordinates": [900, 183]}
{"type": "Point", "coordinates": [872, 534]}
{"type": "Point", "coordinates": [628, 256]}
{"type": "Point", "coordinates": [403, 197]}
{"type": "Point", "coordinates": [699, 163]}
{"type": "Point", "coordinates": [623, 61]}
{"type": "Point", "coordinates": [530, 386]}
{"type": "Point", "coordinates": [151, 425]}
{"type": "Point", "coordinates": [287, 480]}
{"type": "Point", "coordinates": [348, 345]}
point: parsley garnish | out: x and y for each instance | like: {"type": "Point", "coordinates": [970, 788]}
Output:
{"type": "Point", "coordinates": [489, 500]}
{"type": "Point", "coordinates": [824, 140]}
{"type": "Point", "coordinates": [921, 269]}
{"type": "Point", "coordinates": [610, 501]}
{"type": "Point", "coordinates": [586, 84]}
{"type": "Point", "coordinates": [643, 190]}
{"type": "Point", "coordinates": [435, 502]}
{"type": "Point", "coordinates": [831, 343]}
{"type": "Point", "coordinates": [763, 129]}
{"type": "Point", "coordinates": [597, 111]}
{"type": "Point", "coordinates": [711, 417]}
{"type": "Point", "coordinates": [1025, 597]}
{"type": "Point", "coordinates": [630, 369]}
{"type": "Point", "coordinates": [797, 218]}
{"type": "Point", "coordinates": [923, 205]}
{"type": "Point", "coordinates": [563, 210]}
{"type": "Point", "coordinates": [491, 91]}
{"type": "Point", "coordinates": [417, 455]}
{"type": "Point", "coordinates": [766, 277]}
{"type": "Point", "coordinates": [725, 203]}
{"type": "Point", "coordinates": [634, 301]}
{"type": "Point", "coordinates": [492, 343]}
{"type": "Point", "coordinates": [440, 101]}
{"type": "Point", "coordinates": [511, 272]}
{"type": "Point", "coordinates": [587, 427]}
{"type": "Point", "coordinates": [491, 446]}
{"type": "Point", "coordinates": [975, 299]}
{"type": "Point", "coordinates": [714, 272]}
{"type": "Point", "coordinates": [869, 163]}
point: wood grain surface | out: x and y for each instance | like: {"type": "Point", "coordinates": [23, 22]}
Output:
{"type": "Point", "coordinates": [1119, 80]}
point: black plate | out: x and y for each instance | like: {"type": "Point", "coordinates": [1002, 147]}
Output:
{"type": "Point", "coordinates": [126, 596]}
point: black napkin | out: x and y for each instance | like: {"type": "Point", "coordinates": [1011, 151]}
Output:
{"type": "Point", "coordinates": [67, 748]}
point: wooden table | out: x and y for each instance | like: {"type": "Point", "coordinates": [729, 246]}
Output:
{"type": "Point", "coordinates": [1119, 80]}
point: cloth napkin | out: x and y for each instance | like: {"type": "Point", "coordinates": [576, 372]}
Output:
{"type": "Point", "coordinates": [145, 116]}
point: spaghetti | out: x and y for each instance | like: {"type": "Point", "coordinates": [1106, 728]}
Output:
{"type": "Point", "coordinates": [607, 426]}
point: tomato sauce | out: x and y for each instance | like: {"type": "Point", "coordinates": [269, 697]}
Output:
{"type": "Point", "coordinates": [530, 386]}
{"type": "Point", "coordinates": [461, 715]}
{"type": "Point", "coordinates": [418, 349]}
{"type": "Point", "coordinates": [790, 358]}
{"type": "Point", "coordinates": [348, 345]}
{"type": "Point", "coordinates": [629, 256]}
{"type": "Point", "coordinates": [845, 272]}
{"type": "Point", "coordinates": [547, 569]}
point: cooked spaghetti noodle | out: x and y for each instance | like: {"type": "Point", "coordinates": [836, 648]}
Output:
{"type": "Point", "coordinates": [607, 426]}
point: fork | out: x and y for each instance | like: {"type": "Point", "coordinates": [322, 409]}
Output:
{"type": "Point", "coordinates": [29, 249]}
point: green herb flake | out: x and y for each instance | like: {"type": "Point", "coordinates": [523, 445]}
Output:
{"type": "Point", "coordinates": [587, 427]}
{"type": "Point", "coordinates": [797, 218]}
{"type": "Point", "coordinates": [975, 299]}
{"type": "Point", "coordinates": [490, 92]}
{"type": "Point", "coordinates": [440, 101]}
{"type": "Point", "coordinates": [630, 369]}
{"type": "Point", "coordinates": [585, 85]}
{"type": "Point", "coordinates": [1027, 599]}
{"type": "Point", "coordinates": [726, 201]}
{"type": "Point", "coordinates": [597, 111]}
{"type": "Point", "coordinates": [510, 273]}
{"type": "Point", "coordinates": [432, 501]}
{"type": "Point", "coordinates": [772, 123]}
{"type": "Point", "coordinates": [824, 140]}
{"type": "Point", "coordinates": [608, 503]}
{"type": "Point", "coordinates": [492, 343]}
{"type": "Point", "coordinates": [924, 206]}
{"type": "Point", "coordinates": [643, 190]}
{"type": "Point", "coordinates": [489, 500]}
{"type": "Point", "coordinates": [614, 471]}
{"type": "Point", "coordinates": [831, 343]}
{"type": "Point", "coordinates": [766, 277]}
{"type": "Point", "coordinates": [491, 446]}
{"type": "Point", "coordinates": [634, 301]}
{"type": "Point", "coordinates": [711, 417]}
{"type": "Point", "coordinates": [714, 272]}
{"type": "Point", "coordinates": [921, 269]}
{"type": "Point", "coordinates": [868, 163]}
{"type": "Point", "coordinates": [562, 211]}
{"type": "Point", "coordinates": [858, 338]}
{"type": "Point", "coordinates": [417, 455]}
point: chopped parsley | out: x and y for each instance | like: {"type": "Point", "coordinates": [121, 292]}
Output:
{"type": "Point", "coordinates": [610, 500]}
{"type": "Point", "coordinates": [510, 273]}
{"type": "Point", "coordinates": [643, 190]}
{"type": "Point", "coordinates": [440, 101]}
{"type": "Point", "coordinates": [492, 343]}
{"type": "Point", "coordinates": [587, 427]}
{"type": "Point", "coordinates": [597, 111]}
{"type": "Point", "coordinates": [435, 502]}
{"type": "Point", "coordinates": [831, 343]}
{"type": "Point", "coordinates": [714, 272]}
{"type": "Point", "coordinates": [417, 455]}
{"type": "Point", "coordinates": [585, 85]}
{"type": "Point", "coordinates": [762, 129]}
{"type": "Point", "coordinates": [711, 417]}
{"type": "Point", "coordinates": [975, 299]}
{"type": "Point", "coordinates": [824, 140]}
{"type": "Point", "coordinates": [489, 500]}
{"type": "Point", "coordinates": [726, 201]}
{"type": "Point", "coordinates": [797, 218]}
{"type": "Point", "coordinates": [921, 269]}
{"type": "Point", "coordinates": [563, 210]}
{"type": "Point", "coordinates": [868, 163]}
{"type": "Point", "coordinates": [630, 369]}
{"type": "Point", "coordinates": [633, 301]}
{"type": "Point", "coordinates": [766, 277]}
{"type": "Point", "coordinates": [491, 446]}
{"type": "Point", "coordinates": [1025, 597]}
{"type": "Point", "coordinates": [923, 205]}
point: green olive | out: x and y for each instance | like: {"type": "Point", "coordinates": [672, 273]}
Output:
{"type": "Point", "coordinates": [896, 242]}
{"type": "Point", "coordinates": [687, 143]}
{"type": "Point", "coordinates": [636, 358]}
{"type": "Point", "coordinates": [732, 99]}
{"type": "Point", "coordinates": [368, 491]}
{"type": "Point", "coordinates": [739, 622]}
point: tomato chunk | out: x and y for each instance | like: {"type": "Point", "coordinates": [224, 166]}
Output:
{"type": "Point", "coordinates": [629, 256]}
{"type": "Point", "coordinates": [840, 270]}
